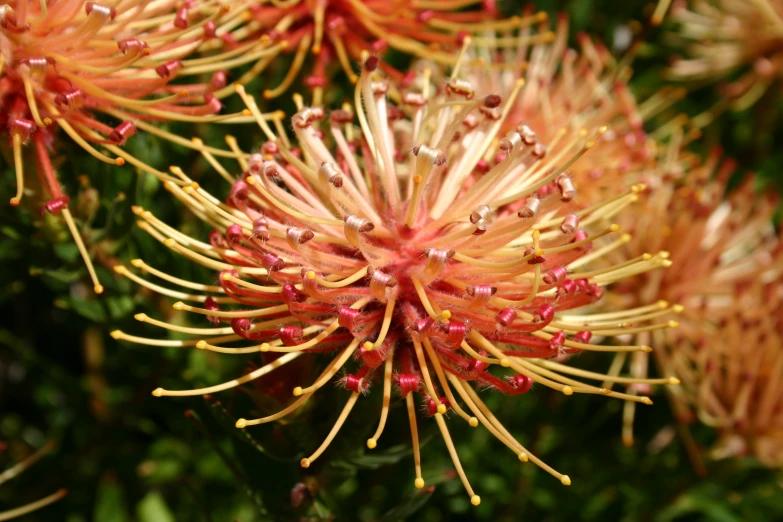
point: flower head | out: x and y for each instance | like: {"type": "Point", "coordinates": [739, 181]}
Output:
{"type": "Point", "coordinates": [69, 67]}
{"type": "Point", "coordinates": [420, 248]}
{"type": "Point", "coordinates": [342, 31]}
{"type": "Point", "coordinates": [718, 247]}
{"type": "Point", "coordinates": [724, 39]}
{"type": "Point", "coordinates": [14, 471]}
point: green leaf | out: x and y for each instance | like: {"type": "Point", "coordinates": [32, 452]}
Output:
{"type": "Point", "coordinates": [110, 503]}
{"type": "Point", "coordinates": [153, 508]}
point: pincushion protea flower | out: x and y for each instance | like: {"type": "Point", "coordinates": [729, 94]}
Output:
{"type": "Point", "coordinates": [65, 66]}
{"type": "Point", "coordinates": [394, 246]}
{"type": "Point", "coordinates": [721, 38]}
{"type": "Point", "coordinates": [342, 30]}
{"type": "Point", "coordinates": [568, 92]}
{"type": "Point", "coordinates": [14, 471]}
{"type": "Point", "coordinates": [718, 247]}
{"type": "Point", "coordinates": [734, 376]}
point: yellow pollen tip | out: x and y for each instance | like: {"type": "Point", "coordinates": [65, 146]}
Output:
{"type": "Point", "coordinates": [648, 401]}
{"type": "Point", "coordinates": [169, 242]}
{"type": "Point", "coordinates": [505, 363]}
{"type": "Point", "coordinates": [246, 112]}
{"type": "Point", "coordinates": [264, 347]}
{"type": "Point", "coordinates": [626, 238]}
{"type": "Point", "coordinates": [445, 314]}
{"type": "Point", "coordinates": [305, 463]}
{"type": "Point", "coordinates": [647, 349]}
{"type": "Point", "coordinates": [678, 308]}
{"type": "Point", "coordinates": [241, 423]}
{"type": "Point", "coordinates": [140, 317]}
{"type": "Point", "coordinates": [268, 96]}
{"type": "Point", "coordinates": [614, 227]}
{"type": "Point", "coordinates": [674, 380]}
{"type": "Point", "coordinates": [98, 289]}
{"type": "Point", "coordinates": [297, 392]}
{"type": "Point", "coordinates": [116, 334]}
{"type": "Point", "coordinates": [119, 162]}
{"type": "Point", "coordinates": [371, 443]}
{"type": "Point", "coordinates": [225, 276]}
{"type": "Point", "coordinates": [316, 49]}
{"type": "Point", "coordinates": [417, 179]}
{"type": "Point", "coordinates": [565, 480]}
{"type": "Point", "coordinates": [157, 392]}
{"type": "Point", "coordinates": [664, 254]}
{"type": "Point", "coordinates": [14, 201]}
{"type": "Point", "coordinates": [567, 390]}
{"type": "Point", "coordinates": [672, 324]}
{"type": "Point", "coordinates": [137, 262]}
{"type": "Point", "coordinates": [473, 422]}
{"type": "Point", "coordinates": [522, 457]}
{"type": "Point", "coordinates": [536, 234]}
{"type": "Point", "coordinates": [662, 304]}
{"type": "Point", "coordinates": [419, 483]}
{"type": "Point", "coordinates": [367, 345]}
{"type": "Point", "coordinates": [475, 500]}
{"type": "Point", "coordinates": [647, 257]}
{"type": "Point", "coordinates": [666, 263]}
{"type": "Point", "coordinates": [197, 141]}
{"type": "Point", "coordinates": [310, 275]}
{"type": "Point", "coordinates": [179, 305]}
{"type": "Point", "coordinates": [201, 345]}
{"type": "Point", "coordinates": [195, 185]}
{"type": "Point", "coordinates": [120, 269]}
{"type": "Point", "coordinates": [442, 409]}
{"type": "Point", "coordinates": [182, 93]}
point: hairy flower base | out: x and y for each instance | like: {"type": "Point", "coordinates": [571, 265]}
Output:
{"type": "Point", "coordinates": [425, 251]}
{"type": "Point", "coordinates": [14, 471]}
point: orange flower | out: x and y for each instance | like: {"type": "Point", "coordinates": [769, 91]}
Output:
{"type": "Point", "coordinates": [65, 67]}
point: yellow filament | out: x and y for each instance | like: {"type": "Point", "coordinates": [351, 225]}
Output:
{"type": "Point", "coordinates": [387, 382]}
{"type": "Point", "coordinates": [472, 421]}
{"type": "Point", "coordinates": [305, 463]}
{"type": "Point", "coordinates": [511, 443]}
{"type": "Point", "coordinates": [77, 238]}
{"type": "Point", "coordinates": [122, 336]}
{"type": "Point", "coordinates": [139, 263]}
{"type": "Point", "coordinates": [330, 371]}
{"type": "Point", "coordinates": [232, 313]}
{"type": "Point", "coordinates": [419, 482]}
{"type": "Point", "coordinates": [430, 307]}
{"type": "Point", "coordinates": [387, 317]}
{"type": "Point", "coordinates": [338, 284]}
{"type": "Point", "coordinates": [28, 90]}
{"type": "Point", "coordinates": [474, 499]}
{"type": "Point", "coordinates": [294, 68]}
{"type": "Point", "coordinates": [425, 373]}
{"type": "Point", "coordinates": [144, 318]}
{"type": "Point", "coordinates": [260, 372]}
{"type": "Point", "coordinates": [19, 166]}
{"type": "Point", "coordinates": [120, 269]}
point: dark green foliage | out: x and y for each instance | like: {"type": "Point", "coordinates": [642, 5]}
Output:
{"type": "Point", "coordinates": [126, 456]}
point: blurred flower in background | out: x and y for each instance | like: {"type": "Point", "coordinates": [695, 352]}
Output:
{"type": "Point", "coordinates": [69, 67]}
{"type": "Point", "coordinates": [338, 32]}
{"type": "Point", "coordinates": [737, 43]}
